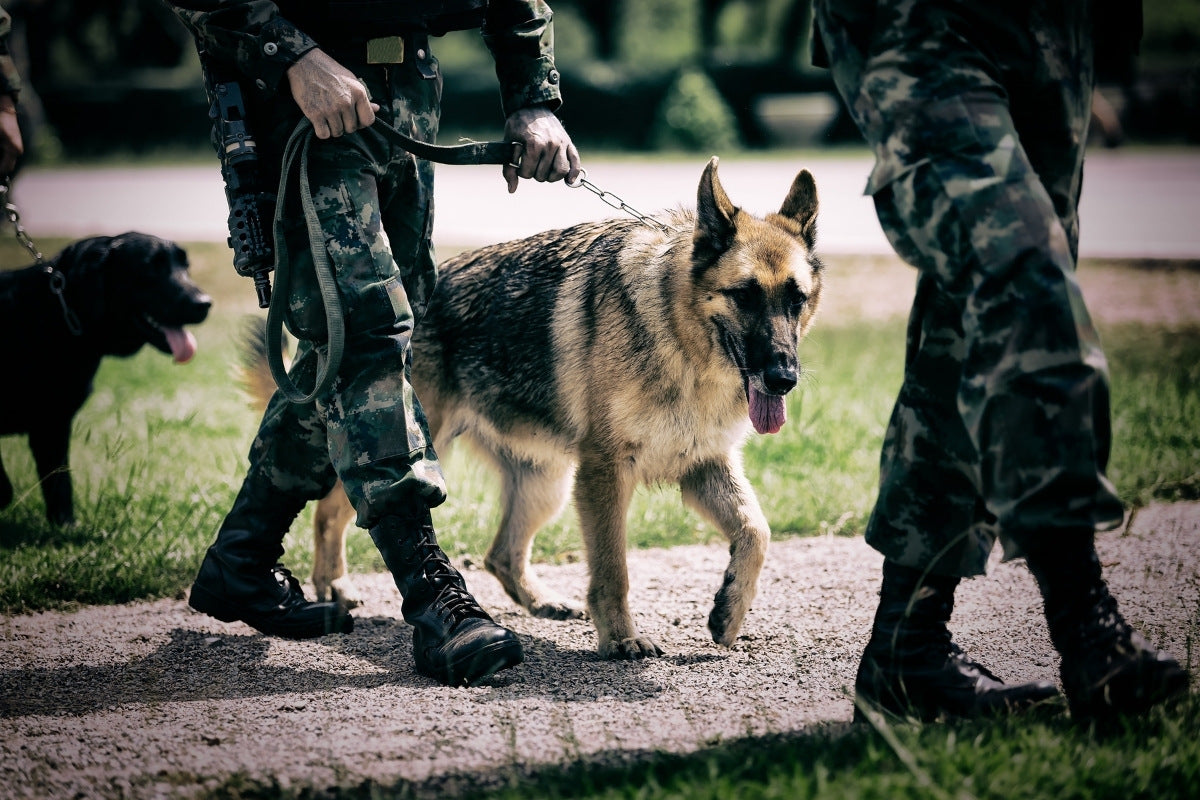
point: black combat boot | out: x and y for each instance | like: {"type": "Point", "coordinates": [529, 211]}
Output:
{"type": "Point", "coordinates": [912, 668]}
{"type": "Point", "coordinates": [1107, 668]}
{"type": "Point", "coordinates": [454, 640]}
{"type": "Point", "coordinates": [240, 578]}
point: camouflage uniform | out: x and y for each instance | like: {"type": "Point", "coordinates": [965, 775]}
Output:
{"type": "Point", "coordinates": [10, 81]}
{"type": "Point", "coordinates": [977, 113]}
{"type": "Point", "coordinates": [375, 204]}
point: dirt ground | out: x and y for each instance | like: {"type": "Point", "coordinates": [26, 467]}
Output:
{"type": "Point", "coordinates": [150, 699]}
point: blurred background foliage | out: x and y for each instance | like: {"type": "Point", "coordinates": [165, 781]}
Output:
{"type": "Point", "coordinates": [120, 78]}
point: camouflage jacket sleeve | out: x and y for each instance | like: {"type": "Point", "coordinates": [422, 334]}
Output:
{"type": "Point", "coordinates": [520, 34]}
{"type": "Point", "coordinates": [247, 34]}
{"type": "Point", "coordinates": [10, 81]}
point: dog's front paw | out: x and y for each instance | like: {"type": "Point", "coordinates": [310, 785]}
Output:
{"type": "Point", "coordinates": [723, 627]}
{"type": "Point", "coordinates": [728, 613]}
{"type": "Point", "coordinates": [631, 649]}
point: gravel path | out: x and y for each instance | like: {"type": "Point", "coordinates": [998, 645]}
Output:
{"type": "Point", "coordinates": [150, 699]}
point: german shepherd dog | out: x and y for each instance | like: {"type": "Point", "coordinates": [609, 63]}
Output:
{"type": "Point", "coordinates": [101, 296]}
{"type": "Point", "coordinates": [608, 355]}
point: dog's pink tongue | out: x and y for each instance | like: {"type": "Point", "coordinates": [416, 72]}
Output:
{"type": "Point", "coordinates": [183, 344]}
{"type": "Point", "coordinates": [767, 411]}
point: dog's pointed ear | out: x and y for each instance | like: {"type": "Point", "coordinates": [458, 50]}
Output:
{"type": "Point", "coordinates": [801, 206]}
{"type": "Point", "coordinates": [714, 216]}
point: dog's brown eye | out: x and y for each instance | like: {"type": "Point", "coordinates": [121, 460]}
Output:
{"type": "Point", "coordinates": [796, 299]}
{"type": "Point", "coordinates": [748, 296]}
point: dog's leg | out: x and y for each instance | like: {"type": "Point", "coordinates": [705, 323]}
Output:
{"type": "Point", "coordinates": [533, 494]}
{"type": "Point", "coordinates": [50, 447]}
{"type": "Point", "coordinates": [602, 493]}
{"type": "Point", "coordinates": [331, 520]}
{"type": "Point", "coordinates": [720, 492]}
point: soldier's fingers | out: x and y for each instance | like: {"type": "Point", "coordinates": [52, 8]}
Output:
{"type": "Point", "coordinates": [511, 177]}
{"type": "Point", "coordinates": [540, 163]}
{"type": "Point", "coordinates": [574, 164]}
{"type": "Point", "coordinates": [364, 112]}
{"type": "Point", "coordinates": [562, 165]}
{"type": "Point", "coordinates": [335, 125]}
{"type": "Point", "coordinates": [530, 160]}
{"type": "Point", "coordinates": [548, 166]}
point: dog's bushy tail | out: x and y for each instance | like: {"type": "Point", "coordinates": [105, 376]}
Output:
{"type": "Point", "coordinates": [252, 372]}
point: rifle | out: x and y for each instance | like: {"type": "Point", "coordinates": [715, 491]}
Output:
{"type": "Point", "coordinates": [251, 199]}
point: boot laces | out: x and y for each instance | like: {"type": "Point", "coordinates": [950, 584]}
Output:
{"type": "Point", "coordinates": [453, 603]}
{"type": "Point", "coordinates": [938, 643]}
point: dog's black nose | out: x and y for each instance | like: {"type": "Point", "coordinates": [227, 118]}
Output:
{"type": "Point", "coordinates": [197, 310]}
{"type": "Point", "coordinates": [780, 378]}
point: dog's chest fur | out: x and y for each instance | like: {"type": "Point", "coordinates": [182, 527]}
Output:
{"type": "Point", "coordinates": [644, 388]}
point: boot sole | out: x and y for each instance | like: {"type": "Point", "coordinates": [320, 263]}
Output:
{"type": "Point", "coordinates": [478, 666]}
{"type": "Point", "coordinates": [208, 603]}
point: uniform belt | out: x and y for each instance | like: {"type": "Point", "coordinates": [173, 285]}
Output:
{"type": "Point", "coordinates": [385, 50]}
{"type": "Point", "coordinates": [381, 50]}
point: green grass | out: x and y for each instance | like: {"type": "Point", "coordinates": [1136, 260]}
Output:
{"type": "Point", "coordinates": [1157, 756]}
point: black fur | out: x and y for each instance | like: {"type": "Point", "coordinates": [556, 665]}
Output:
{"type": "Point", "coordinates": [119, 292]}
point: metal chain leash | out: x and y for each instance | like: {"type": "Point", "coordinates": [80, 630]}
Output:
{"type": "Point", "coordinates": [58, 281]}
{"type": "Point", "coordinates": [10, 211]}
{"type": "Point", "coordinates": [616, 202]}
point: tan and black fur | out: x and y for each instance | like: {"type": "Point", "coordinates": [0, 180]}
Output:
{"type": "Point", "coordinates": [609, 355]}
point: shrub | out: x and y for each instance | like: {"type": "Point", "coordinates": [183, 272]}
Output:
{"type": "Point", "coordinates": [693, 116]}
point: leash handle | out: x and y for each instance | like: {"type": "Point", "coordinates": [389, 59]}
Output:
{"type": "Point", "coordinates": [457, 154]}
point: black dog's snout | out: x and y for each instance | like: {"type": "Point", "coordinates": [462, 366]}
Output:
{"type": "Point", "coordinates": [194, 309]}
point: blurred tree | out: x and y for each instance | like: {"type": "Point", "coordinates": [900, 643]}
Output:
{"type": "Point", "coordinates": [81, 39]}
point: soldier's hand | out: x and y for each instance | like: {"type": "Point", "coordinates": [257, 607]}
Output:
{"type": "Point", "coordinates": [549, 154]}
{"type": "Point", "coordinates": [332, 97]}
{"type": "Point", "coordinates": [11, 145]}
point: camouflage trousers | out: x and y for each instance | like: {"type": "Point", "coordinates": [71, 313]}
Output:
{"type": "Point", "coordinates": [375, 206]}
{"type": "Point", "coordinates": [977, 114]}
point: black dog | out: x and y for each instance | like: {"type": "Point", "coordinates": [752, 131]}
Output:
{"type": "Point", "coordinates": [103, 296]}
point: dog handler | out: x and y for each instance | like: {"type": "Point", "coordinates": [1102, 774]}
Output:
{"type": "Point", "coordinates": [977, 114]}
{"type": "Point", "coordinates": [11, 144]}
{"type": "Point", "coordinates": [343, 65]}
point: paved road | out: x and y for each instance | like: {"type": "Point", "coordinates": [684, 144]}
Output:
{"type": "Point", "coordinates": [1135, 205]}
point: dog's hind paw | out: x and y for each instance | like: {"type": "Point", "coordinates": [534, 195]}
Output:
{"type": "Point", "coordinates": [343, 592]}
